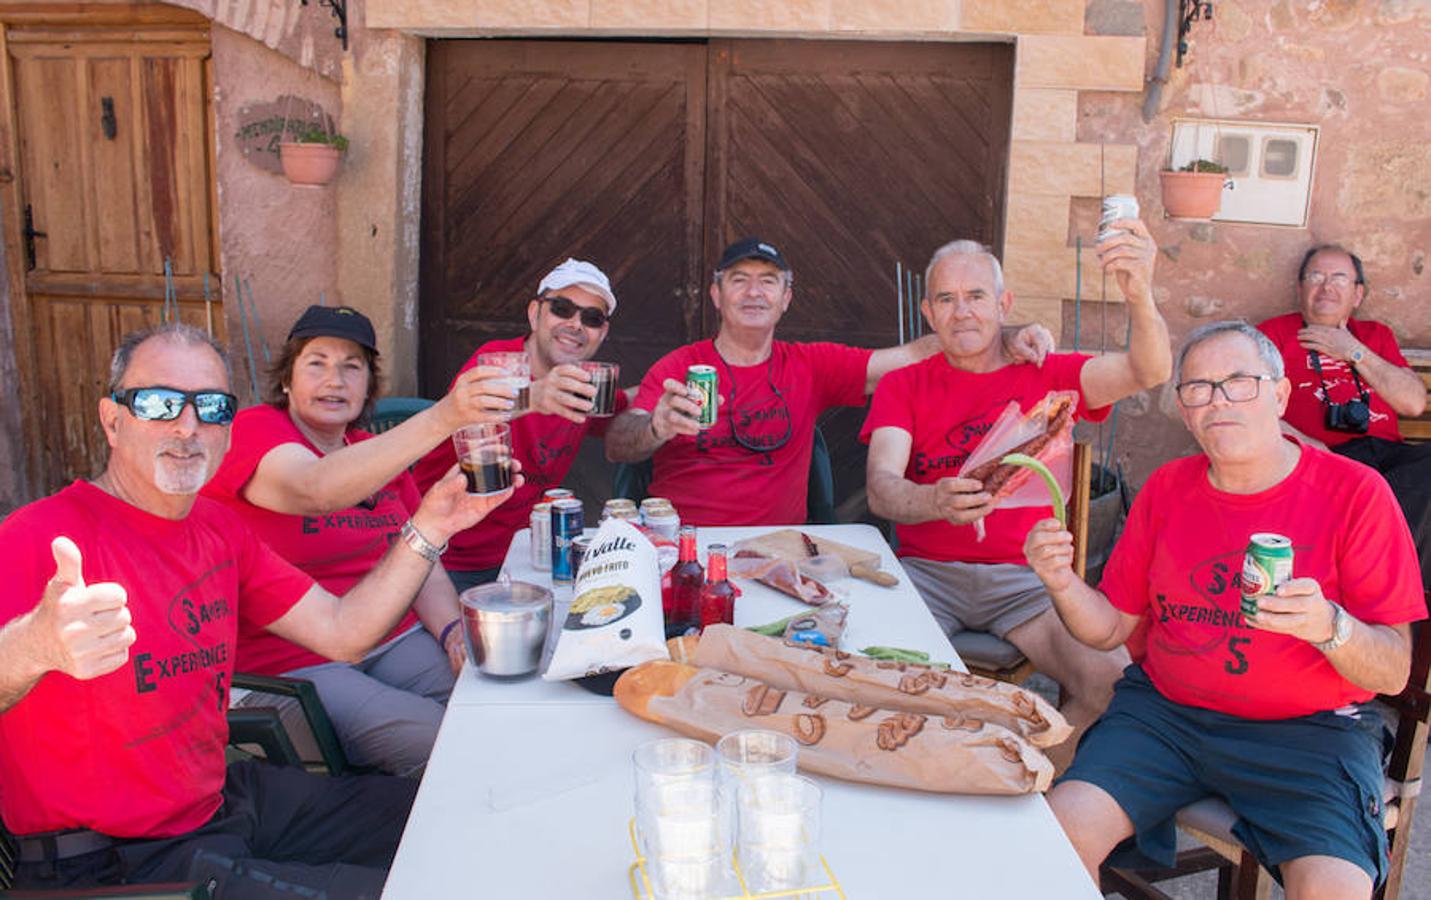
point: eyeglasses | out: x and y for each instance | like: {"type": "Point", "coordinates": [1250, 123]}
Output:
{"type": "Point", "coordinates": [743, 417]}
{"type": "Point", "coordinates": [1336, 279]}
{"type": "Point", "coordinates": [565, 308]}
{"type": "Point", "coordinates": [1236, 388]}
{"type": "Point", "coordinates": [163, 404]}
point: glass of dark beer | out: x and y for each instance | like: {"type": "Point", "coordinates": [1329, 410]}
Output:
{"type": "Point", "coordinates": [603, 377]}
{"type": "Point", "coordinates": [484, 453]}
{"type": "Point", "coordinates": [518, 375]}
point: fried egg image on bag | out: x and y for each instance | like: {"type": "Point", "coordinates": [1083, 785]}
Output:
{"type": "Point", "coordinates": [602, 606]}
{"type": "Point", "coordinates": [604, 614]}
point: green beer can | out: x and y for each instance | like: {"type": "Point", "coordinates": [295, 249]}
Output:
{"type": "Point", "coordinates": [1266, 566]}
{"type": "Point", "coordinates": [703, 380]}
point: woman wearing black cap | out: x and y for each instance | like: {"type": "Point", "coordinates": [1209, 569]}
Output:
{"type": "Point", "coordinates": [330, 498]}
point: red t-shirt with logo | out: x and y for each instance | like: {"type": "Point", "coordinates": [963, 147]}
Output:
{"type": "Point", "coordinates": [545, 445]}
{"type": "Point", "coordinates": [712, 479]}
{"type": "Point", "coordinates": [337, 549]}
{"type": "Point", "coordinates": [948, 411]}
{"type": "Point", "coordinates": [1305, 411]}
{"type": "Point", "coordinates": [138, 752]}
{"type": "Point", "coordinates": [1179, 563]}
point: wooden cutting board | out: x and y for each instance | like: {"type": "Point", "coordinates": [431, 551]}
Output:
{"type": "Point", "coordinates": [789, 543]}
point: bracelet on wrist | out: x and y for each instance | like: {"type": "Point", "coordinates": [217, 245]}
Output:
{"type": "Point", "coordinates": [421, 545]}
{"type": "Point", "coordinates": [447, 630]}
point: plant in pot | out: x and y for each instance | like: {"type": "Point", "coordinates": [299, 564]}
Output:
{"type": "Point", "coordinates": [312, 158]}
{"type": "Point", "coordinates": [1195, 190]}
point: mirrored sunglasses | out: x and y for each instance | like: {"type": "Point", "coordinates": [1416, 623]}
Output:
{"type": "Point", "coordinates": [163, 404]}
{"type": "Point", "coordinates": [565, 308]}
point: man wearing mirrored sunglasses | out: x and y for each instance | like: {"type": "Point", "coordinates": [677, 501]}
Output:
{"type": "Point", "coordinates": [118, 625]}
{"type": "Point", "coordinates": [1265, 706]}
{"type": "Point", "coordinates": [1350, 382]}
{"type": "Point", "coordinates": [569, 318]}
{"type": "Point", "coordinates": [751, 467]}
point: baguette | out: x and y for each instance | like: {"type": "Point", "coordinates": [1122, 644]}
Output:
{"type": "Point", "coordinates": [890, 685]}
{"type": "Point", "coordinates": [946, 754]}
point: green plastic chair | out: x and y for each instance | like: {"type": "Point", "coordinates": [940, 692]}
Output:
{"type": "Point", "coordinates": [390, 411]}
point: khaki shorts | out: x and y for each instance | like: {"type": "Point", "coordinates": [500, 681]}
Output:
{"type": "Point", "coordinates": [992, 597]}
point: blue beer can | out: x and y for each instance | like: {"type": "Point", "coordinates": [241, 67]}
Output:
{"type": "Point", "coordinates": [567, 524]}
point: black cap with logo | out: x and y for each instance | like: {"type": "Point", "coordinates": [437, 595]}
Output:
{"type": "Point", "coordinates": [752, 248]}
{"type": "Point", "coordinates": [338, 322]}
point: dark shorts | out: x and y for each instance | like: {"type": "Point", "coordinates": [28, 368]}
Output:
{"type": "Point", "coordinates": [281, 834]}
{"type": "Point", "coordinates": [1305, 786]}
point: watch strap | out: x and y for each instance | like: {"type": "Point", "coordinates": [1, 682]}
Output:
{"type": "Point", "coordinates": [1341, 629]}
{"type": "Point", "coordinates": [421, 545]}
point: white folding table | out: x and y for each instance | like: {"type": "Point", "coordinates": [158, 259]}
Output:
{"type": "Point", "coordinates": [529, 789]}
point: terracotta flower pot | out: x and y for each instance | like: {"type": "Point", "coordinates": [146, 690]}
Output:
{"type": "Point", "coordinates": [309, 165]}
{"type": "Point", "coordinates": [1192, 195]}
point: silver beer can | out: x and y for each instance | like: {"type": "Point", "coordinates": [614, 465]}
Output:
{"type": "Point", "coordinates": [1116, 206]}
{"type": "Point", "coordinates": [542, 537]}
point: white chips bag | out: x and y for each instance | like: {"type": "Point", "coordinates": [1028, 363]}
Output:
{"type": "Point", "coordinates": [613, 620]}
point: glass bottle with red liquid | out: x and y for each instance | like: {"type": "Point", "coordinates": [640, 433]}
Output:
{"type": "Point", "coordinates": [683, 613]}
{"type": "Point", "coordinates": [718, 595]}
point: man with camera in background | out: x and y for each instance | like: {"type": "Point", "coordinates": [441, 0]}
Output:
{"type": "Point", "coordinates": [1350, 383]}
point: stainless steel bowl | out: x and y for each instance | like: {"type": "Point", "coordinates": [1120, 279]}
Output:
{"type": "Point", "coordinates": [506, 625]}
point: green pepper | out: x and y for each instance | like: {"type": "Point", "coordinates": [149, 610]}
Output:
{"type": "Point", "coordinates": [900, 654]}
{"type": "Point", "coordinates": [1060, 509]}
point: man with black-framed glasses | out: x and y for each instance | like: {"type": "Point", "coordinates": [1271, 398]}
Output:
{"type": "Point", "coordinates": [1350, 382]}
{"type": "Point", "coordinates": [118, 625]}
{"type": "Point", "coordinates": [1263, 705]}
{"type": "Point", "coordinates": [751, 467]}
{"type": "Point", "coordinates": [569, 318]}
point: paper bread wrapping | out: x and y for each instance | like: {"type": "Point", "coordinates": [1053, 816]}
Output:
{"type": "Point", "coordinates": [888, 685]}
{"type": "Point", "coordinates": [955, 753]}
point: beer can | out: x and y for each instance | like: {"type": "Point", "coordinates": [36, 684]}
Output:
{"type": "Point", "coordinates": [567, 523]}
{"type": "Point", "coordinates": [1116, 206]}
{"type": "Point", "coordinates": [703, 379]}
{"type": "Point", "coordinates": [542, 537]}
{"type": "Point", "coordinates": [1266, 566]}
{"type": "Point", "coordinates": [653, 501]}
{"type": "Point", "coordinates": [662, 519]}
{"type": "Point", "coordinates": [557, 493]}
{"type": "Point", "coordinates": [579, 546]}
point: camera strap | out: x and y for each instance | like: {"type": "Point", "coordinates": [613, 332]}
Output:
{"type": "Point", "coordinates": [1316, 359]}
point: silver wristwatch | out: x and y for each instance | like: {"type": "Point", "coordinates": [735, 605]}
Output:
{"type": "Point", "coordinates": [1341, 629]}
{"type": "Point", "coordinates": [421, 545]}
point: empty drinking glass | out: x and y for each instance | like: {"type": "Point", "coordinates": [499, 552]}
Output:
{"type": "Point", "coordinates": [779, 832]}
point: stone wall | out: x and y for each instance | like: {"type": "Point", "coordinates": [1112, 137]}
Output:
{"type": "Point", "coordinates": [1357, 69]}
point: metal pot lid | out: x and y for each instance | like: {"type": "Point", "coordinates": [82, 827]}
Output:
{"type": "Point", "coordinates": [507, 597]}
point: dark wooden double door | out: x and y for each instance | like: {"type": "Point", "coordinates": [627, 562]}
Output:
{"type": "Point", "coordinates": [648, 158]}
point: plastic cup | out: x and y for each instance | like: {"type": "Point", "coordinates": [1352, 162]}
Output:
{"type": "Point", "coordinates": [484, 453]}
{"type": "Point", "coordinates": [518, 369]}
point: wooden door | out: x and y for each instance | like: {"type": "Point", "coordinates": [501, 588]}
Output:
{"type": "Point", "coordinates": [850, 157]}
{"type": "Point", "coordinates": [110, 142]}
{"type": "Point", "coordinates": [540, 150]}
{"type": "Point", "coordinates": [649, 158]}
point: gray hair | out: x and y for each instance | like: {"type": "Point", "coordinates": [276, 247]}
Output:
{"type": "Point", "coordinates": [786, 274]}
{"type": "Point", "coordinates": [966, 248]}
{"type": "Point", "coordinates": [1270, 355]}
{"type": "Point", "coordinates": [174, 332]}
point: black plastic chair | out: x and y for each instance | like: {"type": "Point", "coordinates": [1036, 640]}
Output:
{"type": "Point", "coordinates": [631, 480]}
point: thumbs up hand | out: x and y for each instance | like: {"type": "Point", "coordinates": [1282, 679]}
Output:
{"type": "Point", "coordinates": [87, 626]}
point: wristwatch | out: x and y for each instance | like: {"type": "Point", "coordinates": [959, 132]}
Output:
{"type": "Point", "coordinates": [1357, 356]}
{"type": "Point", "coordinates": [421, 545]}
{"type": "Point", "coordinates": [1341, 629]}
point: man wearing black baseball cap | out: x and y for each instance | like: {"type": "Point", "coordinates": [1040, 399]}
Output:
{"type": "Point", "coordinates": [751, 467]}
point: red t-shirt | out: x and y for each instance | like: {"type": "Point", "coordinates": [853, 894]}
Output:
{"type": "Point", "coordinates": [947, 411]}
{"type": "Point", "coordinates": [545, 445]}
{"type": "Point", "coordinates": [336, 549]}
{"type": "Point", "coordinates": [713, 480]}
{"type": "Point", "coordinates": [1305, 411]}
{"type": "Point", "coordinates": [1179, 561]}
{"type": "Point", "coordinates": [138, 752]}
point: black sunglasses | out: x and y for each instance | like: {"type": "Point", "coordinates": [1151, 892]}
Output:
{"type": "Point", "coordinates": [164, 404]}
{"type": "Point", "coordinates": [743, 416]}
{"type": "Point", "coordinates": [565, 308]}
